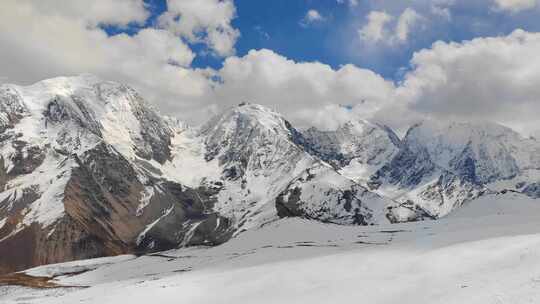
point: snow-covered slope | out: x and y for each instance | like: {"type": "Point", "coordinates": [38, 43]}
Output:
{"type": "Point", "coordinates": [487, 252]}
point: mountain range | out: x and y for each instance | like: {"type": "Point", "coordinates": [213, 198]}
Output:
{"type": "Point", "coordinates": [88, 168]}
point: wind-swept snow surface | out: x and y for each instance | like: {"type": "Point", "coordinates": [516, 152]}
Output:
{"type": "Point", "coordinates": [487, 252]}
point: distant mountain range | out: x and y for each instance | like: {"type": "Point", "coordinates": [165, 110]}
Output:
{"type": "Point", "coordinates": [88, 169]}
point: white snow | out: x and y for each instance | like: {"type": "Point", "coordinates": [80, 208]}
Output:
{"type": "Point", "coordinates": [188, 165]}
{"type": "Point", "coordinates": [55, 270]}
{"type": "Point", "coordinates": [146, 196]}
{"type": "Point", "coordinates": [468, 257]}
{"type": "Point", "coordinates": [50, 181]}
{"type": "Point", "coordinates": [359, 172]}
{"type": "Point", "coordinates": [524, 178]}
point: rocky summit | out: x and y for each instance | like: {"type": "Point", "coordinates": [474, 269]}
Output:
{"type": "Point", "coordinates": [89, 169]}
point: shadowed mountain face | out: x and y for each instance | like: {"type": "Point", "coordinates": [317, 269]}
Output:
{"type": "Point", "coordinates": [88, 169]}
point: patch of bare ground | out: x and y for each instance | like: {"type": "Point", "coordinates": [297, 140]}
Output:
{"type": "Point", "coordinates": [21, 279]}
{"type": "Point", "coordinates": [25, 280]}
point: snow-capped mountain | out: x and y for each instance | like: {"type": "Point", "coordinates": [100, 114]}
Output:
{"type": "Point", "coordinates": [78, 178]}
{"type": "Point", "coordinates": [261, 156]}
{"type": "Point", "coordinates": [88, 169]}
{"type": "Point", "coordinates": [481, 152]}
{"type": "Point", "coordinates": [436, 167]}
{"type": "Point", "coordinates": [469, 160]}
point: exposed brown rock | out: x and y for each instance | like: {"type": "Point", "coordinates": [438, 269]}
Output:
{"type": "Point", "coordinates": [21, 279]}
{"type": "Point", "coordinates": [18, 251]}
{"type": "Point", "coordinates": [101, 201]}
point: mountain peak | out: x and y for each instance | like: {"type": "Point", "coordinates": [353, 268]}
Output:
{"type": "Point", "coordinates": [247, 115]}
{"type": "Point", "coordinates": [463, 130]}
{"type": "Point", "coordinates": [36, 97]}
{"type": "Point", "coordinates": [493, 150]}
{"type": "Point", "coordinates": [75, 113]}
{"type": "Point", "coordinates": [256, 110]}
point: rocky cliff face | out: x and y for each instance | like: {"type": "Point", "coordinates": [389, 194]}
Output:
{"type": "Point", "coordinates": [322, 194]}
{"type": "Point", "coordinates": [357, 148]}
{"type": "Point", "coordinates": [79, 175]}
{"type": "Point", "coordinates": [88, 169]}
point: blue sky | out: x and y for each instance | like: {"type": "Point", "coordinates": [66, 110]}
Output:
{"type": "Point", "coordinates": [327, 41]}
{"type": "Point", "coordinates": [277, 25]}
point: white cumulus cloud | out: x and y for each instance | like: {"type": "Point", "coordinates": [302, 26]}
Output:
{"type": "Point", "coordinates": [312, 16]}
{"type": "Point", "coordinates": [207, 21]}
{"type": "Point", "coordinates": [39, 42]}
{"type": "Point", "coordinates": [515, 5]}
{"type": "Point", "coordinates": [117, 12]}
{"type": "Point", "coordinates": [380, 27]}
{"type": "Point", "coordinates": [375, 28]}
{"type": "Point", "coordinates": [308, 93]}
{"type": "Point", "coordinates": [496, 78]}
{"type": "Point", "coordinates": [406, 21]}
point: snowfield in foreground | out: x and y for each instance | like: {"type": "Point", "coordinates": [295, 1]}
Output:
{"type": "Point", "coordinates": [486, 252]}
